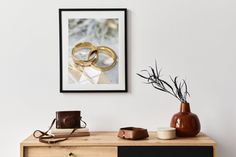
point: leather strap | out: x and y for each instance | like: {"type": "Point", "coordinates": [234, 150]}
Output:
{"type": "Point", "coordinates": [44, 137]}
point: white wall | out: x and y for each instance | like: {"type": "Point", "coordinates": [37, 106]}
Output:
{"type": "Point", "coordinates": [192, 39]}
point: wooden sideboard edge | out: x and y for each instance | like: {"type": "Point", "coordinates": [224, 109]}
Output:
{"type": "Point", "coordinates": [29, 141]}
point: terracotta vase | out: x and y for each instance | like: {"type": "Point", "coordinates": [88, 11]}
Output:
{"type": "Point", "coordinates": [186, 123]}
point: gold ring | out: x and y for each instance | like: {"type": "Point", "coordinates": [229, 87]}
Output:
{"type": "Point", "coordinates": [108, 51]}
{"type": "Point", "coordinates": [91, 58]}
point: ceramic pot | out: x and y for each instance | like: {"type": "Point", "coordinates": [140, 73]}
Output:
{"type": "Point", "coordinates": [186, 123]}
{"type": "Point", "coordinates": [166, 133]}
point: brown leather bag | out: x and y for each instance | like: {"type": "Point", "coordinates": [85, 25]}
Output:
{"type": "Point", "coordinates": [64, 120]}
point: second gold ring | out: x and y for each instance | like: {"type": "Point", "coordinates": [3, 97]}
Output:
{"type": "Point", "coordinates": [108, 51]}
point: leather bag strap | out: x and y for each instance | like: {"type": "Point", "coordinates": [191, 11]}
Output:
{"type": "Point", "coordinates": [85, 124]}
{"type": "Point", "coordinates": [44, 137]}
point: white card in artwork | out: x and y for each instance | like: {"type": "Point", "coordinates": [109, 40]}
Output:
{"type": "Point", "coordinates": [90, 76]}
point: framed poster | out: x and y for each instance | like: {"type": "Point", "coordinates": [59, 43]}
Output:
{"type": "Point", "coordinates": [93, 50]}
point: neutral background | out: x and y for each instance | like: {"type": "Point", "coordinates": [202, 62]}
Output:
{"type": "Point", "coordinates": [192, 39]}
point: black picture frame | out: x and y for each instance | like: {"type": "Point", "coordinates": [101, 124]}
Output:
{"type": "Point", "coordinates": [64, 13]}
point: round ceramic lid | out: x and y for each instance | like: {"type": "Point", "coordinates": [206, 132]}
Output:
{"type": "Point", "coordinates": [166, 129]}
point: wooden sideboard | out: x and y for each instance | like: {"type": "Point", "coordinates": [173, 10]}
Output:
{"type": "Point", "coordinates": [107, 144]}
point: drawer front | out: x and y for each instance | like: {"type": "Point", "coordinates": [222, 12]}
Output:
{"type": "Point", "coordinates": [70, 152]}
{"type": "Point", "coordinates": [165, 151]}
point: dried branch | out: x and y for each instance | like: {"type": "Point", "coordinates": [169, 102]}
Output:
{"type": "Point", "coordinates": [179, 89]}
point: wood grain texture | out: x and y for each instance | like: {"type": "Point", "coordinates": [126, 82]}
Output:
{"type": "Point", "coordinates": [21, 150]}
{"type": "Point", "coordinates": [104, 144]}
{"type": "Point", "coordinates": [71, 151]}
{"type": "Point", "coordinates": [111, 139]}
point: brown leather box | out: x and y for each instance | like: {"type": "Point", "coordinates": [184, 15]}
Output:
{"type": "Point", "coordinates": [133, 133]}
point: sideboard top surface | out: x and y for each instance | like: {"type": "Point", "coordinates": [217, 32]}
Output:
{"type": "Point", "coordinates": [111, 139]}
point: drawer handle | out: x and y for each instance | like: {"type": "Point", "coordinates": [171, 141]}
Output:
{"type": "Point", "coordinates": [71, 154]}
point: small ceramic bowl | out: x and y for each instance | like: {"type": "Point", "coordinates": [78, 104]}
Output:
{"type": "Point", "coordinates": [166, 133]}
